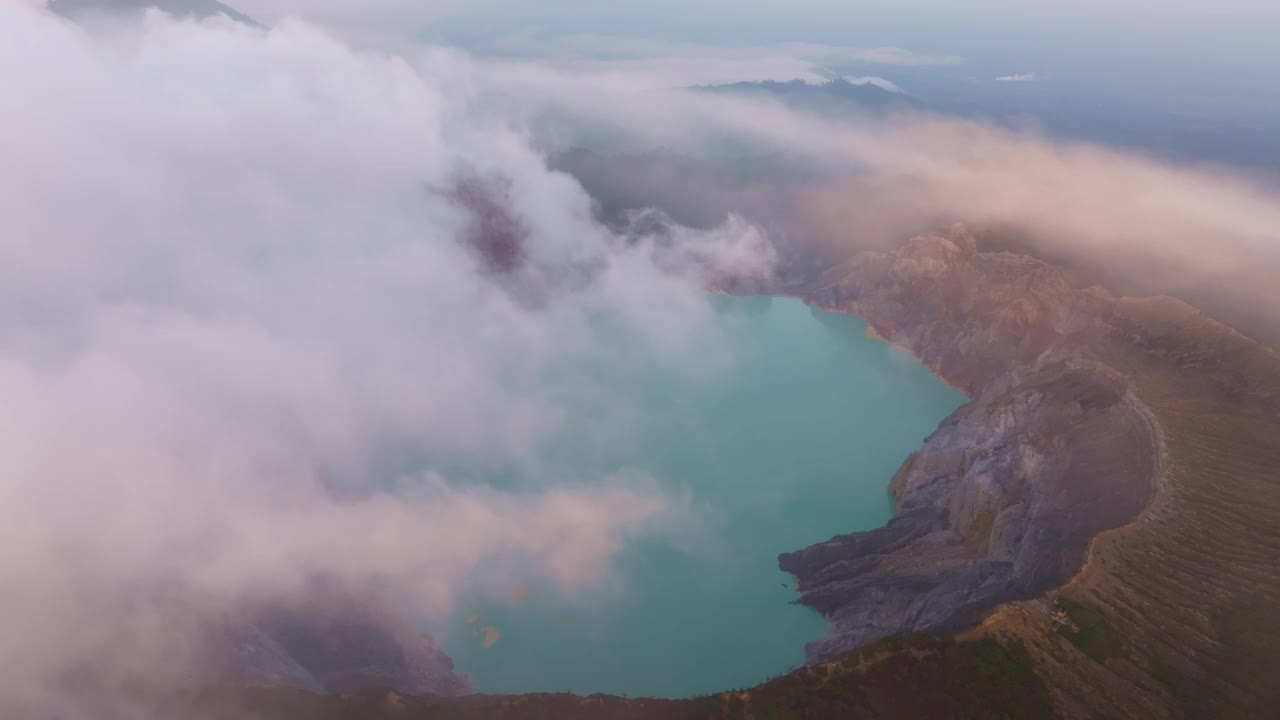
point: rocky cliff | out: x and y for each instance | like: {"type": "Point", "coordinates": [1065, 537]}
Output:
{"type": "Point", "coordinates": [1108, 497]}
{"type": "Point", "coordinates": [1002, 501]}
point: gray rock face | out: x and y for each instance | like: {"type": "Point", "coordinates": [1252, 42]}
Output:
{"type": "Point", "coordinates": [1003, 499]}
{"type": "Point", "coordinates": [334, 640]}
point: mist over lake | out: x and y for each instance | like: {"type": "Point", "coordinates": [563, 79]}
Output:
{"type": "Point", "coordinates": [789, 439]}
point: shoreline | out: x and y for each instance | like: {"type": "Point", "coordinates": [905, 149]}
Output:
{"type": "Point", "coordinates": [873, 333]}
{"type": "Point", "coordinates": [1005, 376]}
{"type": "Point", "coordinates": [1194, 400]}
{"type": "Point", "coordinates": [826, 338]}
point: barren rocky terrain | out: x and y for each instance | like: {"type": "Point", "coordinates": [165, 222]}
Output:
{"type": "Point", "coordinates": [1089, 404]}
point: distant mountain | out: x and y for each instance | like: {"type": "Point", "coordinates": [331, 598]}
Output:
{"type": "Point", "coordinates": [1246, 142]}
{"type": "Point", "coordinates": [178, 8]}
{"type": "Point", "coordinates": [832, 96]}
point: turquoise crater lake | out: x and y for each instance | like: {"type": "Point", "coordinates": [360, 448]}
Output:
{"type": "Point", "coordinates": [794, 441]}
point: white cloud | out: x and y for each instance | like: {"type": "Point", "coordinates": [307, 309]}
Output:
{"type": "Point", "coordinates": [876, 81]}
{"type": "Point", "coordinates": [538, 45]}
{"type": "Point", "coordinates": [236, 282]}
{"type": "Point", "coordinates": [654, 64]}
{"type": "Point", "coordinates": [1022, 77]}
{"type": "Point", "coordinates": [1208, 234]}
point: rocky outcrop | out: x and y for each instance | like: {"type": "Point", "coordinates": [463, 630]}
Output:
{"type": "Point", "coordinates": [334, 640]}
{"type": "Point", "coordinates": [1003, 500]}
{"type": "Point", "coordinates": [971, 317]}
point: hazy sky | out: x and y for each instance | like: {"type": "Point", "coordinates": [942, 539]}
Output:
{"type": "Point", "coordinates": [1215, 60]}
{"type": "Point", "coordinates": [1233, 29]}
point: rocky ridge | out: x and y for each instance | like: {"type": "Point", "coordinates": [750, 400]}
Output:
{"type": "Point", "coordinates": [1004, 498]}
{"type": "Point", "coordinates": [1108, 498]}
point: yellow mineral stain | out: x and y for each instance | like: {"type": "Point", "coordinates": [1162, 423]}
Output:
{"type": "Point", "coordinates": [490, 634]}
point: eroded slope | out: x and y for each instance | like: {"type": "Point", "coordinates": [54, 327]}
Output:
{"type": "Point", "coordinates": [1090, 404]}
